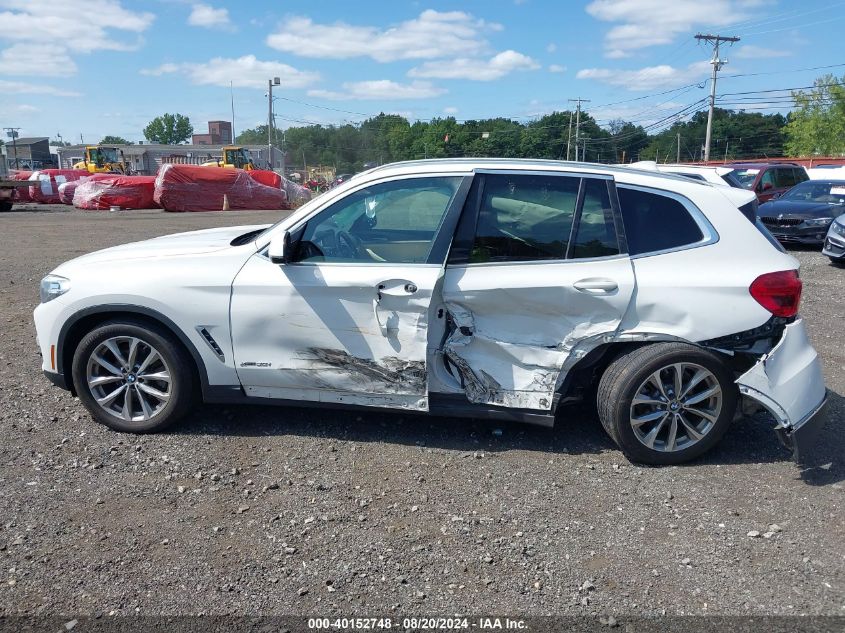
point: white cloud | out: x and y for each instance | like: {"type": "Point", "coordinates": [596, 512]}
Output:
{"type": "Point", "coordinates": [86, 25]}
{"type": "Point", "coordinates": [651, 77]}
{"type": "Point", "coordinates": [644, 23]}
{"type": "Point", "coordinates": [475, 69]}
{"type": "Point", "coordinates": [759, 52]}
{"type": "Point", "coordinates": [431, 35]}
{"type": "Point", "coordinates": [21, 87]}
{"type": "Point", "coordinates": [45, 60]}
{"type": "Point", "coordinates": [243, 72]}
{"type": "Point", "coordinates": [450, 110]}
{"type": "Point", "coordinates": [207, 16]}
{"type": "Point", "coordinates": [380, 89]}
{"type": "Point", "coordinates": [557, 68]}
{"type": "Point", "coordinates": [551, 47]}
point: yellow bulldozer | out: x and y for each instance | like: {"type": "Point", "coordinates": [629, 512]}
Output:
{"type": "Point", "coordinates": [100, 159]}
{"type": "Point", "coordinates": [234, 157]}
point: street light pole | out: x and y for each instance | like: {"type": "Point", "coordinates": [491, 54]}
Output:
{"type": "Point", "coordinates": [13, 133]}
{"type": "Point", "coordinates": [275, 81]}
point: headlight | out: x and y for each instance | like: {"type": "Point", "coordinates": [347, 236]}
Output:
{"type": "Point", "coordinates": [53, 286]}
{"type": "Point", "coordinates": [818, 221]}
{"type": "Point", "coordinates": [839, 229]}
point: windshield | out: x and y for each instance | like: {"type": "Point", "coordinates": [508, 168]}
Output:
{"type": "Point", "coordinates": [744, 177]}
{"type": "Point", "coordinates": [817, 191]}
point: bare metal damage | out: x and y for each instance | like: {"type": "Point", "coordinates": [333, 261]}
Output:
{"type": "Point", "coordinates": [389, 375]}
{"type": "Point", "coordinates": [523, 372]}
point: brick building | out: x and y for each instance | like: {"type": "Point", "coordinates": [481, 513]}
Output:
{"type": "Point", "coordinates": [219, 133]}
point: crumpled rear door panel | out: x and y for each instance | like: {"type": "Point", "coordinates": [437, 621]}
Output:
{"type": "Point", "coordinates": [515, 325]}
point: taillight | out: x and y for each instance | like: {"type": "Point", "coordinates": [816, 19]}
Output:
{"type": "Point", "coordinates": [779, 293]}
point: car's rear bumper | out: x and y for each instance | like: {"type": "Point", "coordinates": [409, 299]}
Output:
{"type": "Point", "coordinates": [834, 246]}
{"type": "Point", "coordinates": [788, 382]}
{"type": "Point", "coordinates": [801, 439]}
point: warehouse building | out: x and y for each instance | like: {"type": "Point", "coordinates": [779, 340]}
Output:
{"type": "Point", "coordinates": [29, 153]}
{"type": "Point", "coordinates": [145, 159]}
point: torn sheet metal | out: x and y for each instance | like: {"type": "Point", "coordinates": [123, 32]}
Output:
{"type": "Point", "coordinates": [519, 373]}
{"type": "Point", "coordinates": [788, 380]}
{"type": "Point", "coordinates": [512, 336]}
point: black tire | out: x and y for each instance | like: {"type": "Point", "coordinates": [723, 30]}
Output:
{"type": "Point", "coordinates": [838, 261]}
{"type": "Point", "coordinates": [6, 205]}
{"type": "Point", "coordinates": [183, 387]}
{"type": "Point", "coordinates": [624, 376]}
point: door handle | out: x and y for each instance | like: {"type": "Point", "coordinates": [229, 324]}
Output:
{"type": "Point", "coordinates": [390, 288]}
{"type": "Point", "coordinates": [596, 286]}
{"type": "Point", "coordinates": [396, 287]}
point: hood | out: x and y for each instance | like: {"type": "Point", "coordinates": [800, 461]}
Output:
{"type": "Point", "coordinates": [190, 243]}
{"type": "Point", "coordinates": [800, 208]}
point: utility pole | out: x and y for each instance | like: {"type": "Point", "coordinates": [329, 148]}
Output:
{"type": "Point", "coordinates": [678, 156]}
{"type": "Point", "coordinates": [275, 81]}
{"type": "Point", "coordinates": [12, 132]}
{"type": "Point", "coordinates": [578, 102]}
{"type": "Point", "coordinates": [232, 97]}
{"type": "Point", "coordinates": [569, 138]}
{"type": "Point", "coordinates": [717, 66]}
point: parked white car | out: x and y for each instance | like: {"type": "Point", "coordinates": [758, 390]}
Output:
{"type": "Point", "coordinates": [475, 288]}
{"type": "Point", "coordinates": [715, 175]}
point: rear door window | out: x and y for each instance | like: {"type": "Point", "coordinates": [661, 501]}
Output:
{"type": "Point", "coordinates": [531, 217]}
{"type": "Point", "coordinates": [655, 222]}
{"type": "Point", "coordinates": [524, 218]}
{"type": "Point", "coordinates": [596, 232]}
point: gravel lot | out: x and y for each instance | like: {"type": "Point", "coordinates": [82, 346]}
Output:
{"type": "Point", "coordinates": [251, 510]}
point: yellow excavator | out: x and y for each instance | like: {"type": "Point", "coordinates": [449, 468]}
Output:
{"type": "Point", "coordinates": [234, 157]}
{"type": "Point", "coordinates": [100, 159]}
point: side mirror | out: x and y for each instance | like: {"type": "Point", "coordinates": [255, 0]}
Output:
{"type": "Point", "coordinates": [279, 249]}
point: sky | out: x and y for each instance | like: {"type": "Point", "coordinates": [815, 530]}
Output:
{"type": "Point", "coordinates": [87, 68]}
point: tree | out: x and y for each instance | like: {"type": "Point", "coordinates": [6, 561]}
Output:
{"type": "Point", "coordinates": [58, 143]}
{"type": "Point", "coordinates": [109, 139]}
{"type": "Point", "coordinates": [817, 125]}
{"type": "Point", "coordinates": [169, 129]}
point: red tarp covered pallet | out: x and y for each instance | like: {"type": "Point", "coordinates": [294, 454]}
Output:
{"type": "Point", "coordinates": [114, 190]}
{"type": "Point", "coordinates": [265, 177]}
{"type": "Point", "coordinates": [195, 188]}
{"type": "Point", "coordinates": [67, 189]}
{"type": "Point", "coordinates": [45, 183]}
{"type": "Point", "coordinates": [21, 194]}
{"type": "Point", "coordinates": [297, 194]}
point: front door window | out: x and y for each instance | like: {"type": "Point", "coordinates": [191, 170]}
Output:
{"type": "Point", "coordinates": [393, 222]}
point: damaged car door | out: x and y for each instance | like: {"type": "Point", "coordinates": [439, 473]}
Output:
{"type": "Point", "coordinates": [345, 318]}
{"type": "Point", "coordinates": [538, 272]}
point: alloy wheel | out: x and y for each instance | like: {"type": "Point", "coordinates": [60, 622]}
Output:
{"type": "Point", "coordinates": [676, 407]}
{"type": "Point", "coordinates": [129, 379]}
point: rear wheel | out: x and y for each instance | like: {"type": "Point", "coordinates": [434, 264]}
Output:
{"type": "Point", "coordinates": [666, 403]}
{"type": "Point", "coordinates": [6, 205]}
{"type": "Point", "coordinates": [133, 377]}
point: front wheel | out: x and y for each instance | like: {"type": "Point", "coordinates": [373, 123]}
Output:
{"type": "Point", "coordinates": [666, 403]}
{"type": "Point", "coordinates": [133, 377]}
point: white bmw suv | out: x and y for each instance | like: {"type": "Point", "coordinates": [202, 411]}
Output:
{"type": "Point", "coordinates": [498, 289]}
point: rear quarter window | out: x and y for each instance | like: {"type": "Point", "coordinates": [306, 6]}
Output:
{"type": "Point", "coordinates": [656, 222]}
